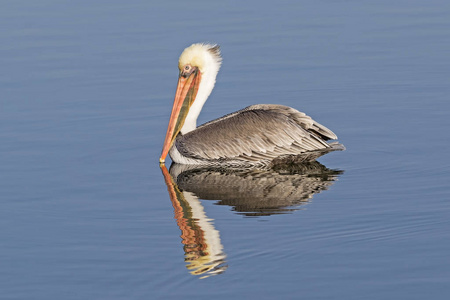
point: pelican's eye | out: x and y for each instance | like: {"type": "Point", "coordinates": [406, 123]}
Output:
{"type": "Point", "coordinates": [187, 70]}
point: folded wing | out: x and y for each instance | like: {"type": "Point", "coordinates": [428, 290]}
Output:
{"type": "Point", "coordinates": [258, 132]}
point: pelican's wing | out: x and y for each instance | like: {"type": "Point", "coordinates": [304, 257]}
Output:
{"type": "Point", "coordinates": [258, 132]}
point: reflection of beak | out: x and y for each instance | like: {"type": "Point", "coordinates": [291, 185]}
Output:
{"type": "Point", "coordinates": [184, 97]}
{"type": "Point", "coordinates": [201, 241]}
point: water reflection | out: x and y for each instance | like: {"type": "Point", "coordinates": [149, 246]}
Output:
{"type": "Point", "coordinates": [251, 192]}
{"type": "Point", "coordinates": [202, 246]}
{"type": "Point", "coordinates": [256, 192]}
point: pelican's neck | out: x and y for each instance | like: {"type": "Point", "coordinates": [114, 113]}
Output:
{"type": "Point", "coordinates": [204, 90]}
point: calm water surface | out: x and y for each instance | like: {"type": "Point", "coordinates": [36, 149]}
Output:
{"type": "Point", "coordinates": [86, 89]}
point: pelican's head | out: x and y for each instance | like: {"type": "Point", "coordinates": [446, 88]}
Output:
{"type": "Point", "coordinates": [198, 65]}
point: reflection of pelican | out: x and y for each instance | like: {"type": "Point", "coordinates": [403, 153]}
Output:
{"type": "Point", "coordinates": [202, 246]}
{"type": "Point", "coordinates": [255, 136]}
{"type": "Point", "coordinates": [255, 192]}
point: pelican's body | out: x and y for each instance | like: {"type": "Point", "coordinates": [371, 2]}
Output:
{"type": "Point", "coordinates": [260, 134]}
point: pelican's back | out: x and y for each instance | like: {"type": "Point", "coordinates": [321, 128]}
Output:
{"type": "Point", "coordinates": [257, 135]}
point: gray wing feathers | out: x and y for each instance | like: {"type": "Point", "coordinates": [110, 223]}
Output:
{"type": "Point", "coordinates": [300, 118]}
{"type": "Point", "coordinates": [258, 132]}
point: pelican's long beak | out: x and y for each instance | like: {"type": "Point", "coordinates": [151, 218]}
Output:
{"type": "Point", "coordinates": [184, 97]}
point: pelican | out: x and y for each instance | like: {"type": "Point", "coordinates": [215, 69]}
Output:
{"type": "Point", "coordinates": [258, 135]}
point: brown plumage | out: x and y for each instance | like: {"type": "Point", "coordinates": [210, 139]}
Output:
{"type": "Point", "coordinates": [257, 135]}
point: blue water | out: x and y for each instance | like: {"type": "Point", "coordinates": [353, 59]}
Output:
{"type": "Point", "coordinates": [86, 90]}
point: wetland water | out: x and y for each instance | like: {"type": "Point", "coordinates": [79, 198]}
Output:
{"type": "Point", "coordinates": [86, 90]}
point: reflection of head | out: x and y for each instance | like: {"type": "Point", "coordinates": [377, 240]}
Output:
{"type": "Point", "coordinates": [202, 245]}
{"type": "Point", "coordinates": [256, 192]}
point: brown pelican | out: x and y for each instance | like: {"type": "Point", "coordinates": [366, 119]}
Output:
{"type": "Point", "coordinates": [261, 134]}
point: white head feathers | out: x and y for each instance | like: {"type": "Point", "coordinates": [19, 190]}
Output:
{"type": "Point", "coordinates": [201, 56]}
{"type": "Point", "coordinates": [206, 57]}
